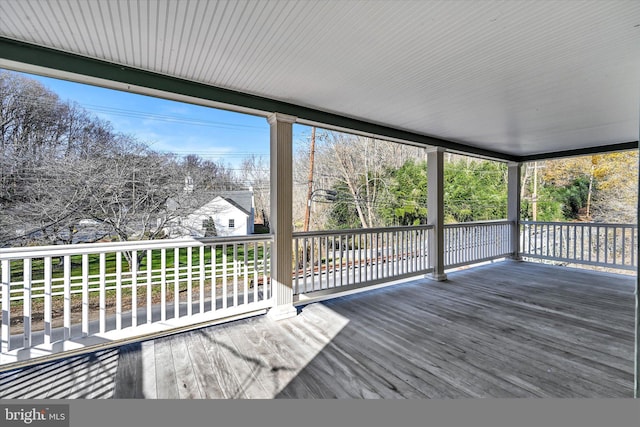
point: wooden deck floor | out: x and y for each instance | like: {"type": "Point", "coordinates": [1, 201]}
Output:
{"type": "Point", "coordinates": [503, 330]}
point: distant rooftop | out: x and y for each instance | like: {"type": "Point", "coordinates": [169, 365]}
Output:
{"type": "Point", "coordinates": [240, 198]}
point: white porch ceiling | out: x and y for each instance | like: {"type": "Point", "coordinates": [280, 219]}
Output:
{"type": "Point", "coordinates": [519, 78]}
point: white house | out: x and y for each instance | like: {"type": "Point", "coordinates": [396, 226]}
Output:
{"type": "Point", "coordinates": [230, 213]}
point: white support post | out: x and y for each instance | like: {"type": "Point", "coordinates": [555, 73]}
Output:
{"type": "Point", "coordinates": [636, 374]}
{"type": "Point", "coordinates": [5, 346]}
{"type": "Point", "coordinates": [513, 207]}
{"type": "Point", "coordinates": [435, 209]}
{"type": "Point", "coordinates": [48, 301]}
{"type": "Point", "coordinates": [281, 215]}
{"type": "Point", "coordinates": [27, 300]}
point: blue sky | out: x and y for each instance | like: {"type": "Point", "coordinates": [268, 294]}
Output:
{"type": "Point", "coordinates": [171, 126]}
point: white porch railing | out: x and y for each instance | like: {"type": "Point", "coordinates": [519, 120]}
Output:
{"type": "Point", "coordinates": [599, 244]}
{"type": "Point", "coordinates": [475, 242]}
{"type": "Point", "coordinates": [59, 298]}
{"type": "Point", "coordinates": [325, 260]}
{"type": "Point", "coordinates": [56, 298]}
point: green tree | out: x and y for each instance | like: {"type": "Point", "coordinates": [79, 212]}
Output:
{"type": "Point", "coordinates": [549, 206]}
{"type": "Point", "coordinates": [406, 199]}
{"type": "Point", "coordinates": [574, 197]}
{"type": "Point", "coordinates": [475, 190]}
{"type": "Point", "coordinates": [210, 227]}
{"type": "Point", "coordinates": [343, 212]}
{"type": "Point", "coordinates": [560, 203]}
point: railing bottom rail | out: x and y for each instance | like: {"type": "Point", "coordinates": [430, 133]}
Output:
{"type": "Point", "coordinates": [335, 292]}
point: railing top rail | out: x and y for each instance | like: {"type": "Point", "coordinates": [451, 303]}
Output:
{"type": "Point", "coordinates": [478, 223]}
{"type": "Point", "coordinates": [360, 230]}
{"type": "Point", "coordinates": [581, 224]}
{"type": "Point", "coordinates": [96, 248]}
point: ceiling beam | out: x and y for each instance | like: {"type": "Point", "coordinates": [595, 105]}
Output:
{"type": "Point", "coordinates": [22, 52]}
{"type": "Point", "coordinates": [632, 145]}
{"type": "Point", "coordinates": [136, 80]}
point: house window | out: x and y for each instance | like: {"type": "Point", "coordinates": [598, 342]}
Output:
{"type": "Point", "coordinates": [232, 223]}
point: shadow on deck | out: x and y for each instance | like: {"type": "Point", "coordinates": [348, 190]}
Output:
{"type": "Point", "coordinates": [509, 329]}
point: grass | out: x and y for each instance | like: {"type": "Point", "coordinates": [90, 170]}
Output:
{"type": "Point", "coordinates": [38, 265]}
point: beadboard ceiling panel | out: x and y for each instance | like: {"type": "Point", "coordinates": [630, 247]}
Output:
{"type": "Point", "coordinates": [520, 78]}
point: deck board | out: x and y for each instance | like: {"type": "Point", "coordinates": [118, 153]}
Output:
{"type": "Point", "coordinates": [187, 385]}
{"type": "Point", "coordinates": [247, 360]}
{"type": "Point", "coordinates": [466, 377]}
{"type": "Point", "coordinates": [166, 379]}
{"type": "Point", "coordinates": [509, 329]}
{"type": "Point", "coordinates": [204, 371]}
{"type": "Point", "coordinates": [147, 362]}
{"type": "Point", "coordinates": [218, 348]}
{"type": "Point", "coordinates": [129, 373]}
{"type": "Point", "coordinates": [399, 376]}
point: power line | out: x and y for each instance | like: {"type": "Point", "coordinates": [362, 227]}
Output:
{"type": "Point", "coordinates": [170, 118]}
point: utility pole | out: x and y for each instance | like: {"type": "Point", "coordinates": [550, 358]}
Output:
{"type": "Point", "coordinates": [534, 196]}
{"type": "Point", "coordinates": [307, 212]}
{"type": "Point", "coordinates": [591, 172]}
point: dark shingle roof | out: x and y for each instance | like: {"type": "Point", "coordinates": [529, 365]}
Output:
{"type": "Point", "coordinates": [240, 199]}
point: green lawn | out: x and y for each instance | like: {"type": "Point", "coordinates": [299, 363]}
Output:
{"type": "Point", "coordinates": [155, 261]}
{"type": "Point", "coordinates": [37, 268]}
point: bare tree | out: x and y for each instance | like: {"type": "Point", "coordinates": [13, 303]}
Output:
{"type": "Point", "coordinates": [131, 190]}
{"type": "Point", "coordinates": [360, 164]}
{"type": "Point", "coordinates": [616, 182]}
{"type": "Point", "coordinates": [60, 166]}
{"type": "Point", "coordinates": [255, 172]}
{"type": "Point", "coordinates": [42, 192]}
